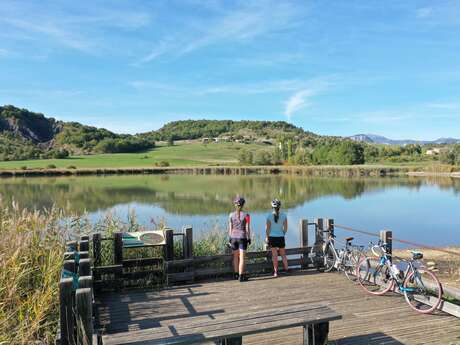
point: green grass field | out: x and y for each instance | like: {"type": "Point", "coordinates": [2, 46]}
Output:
{"type": "Point", "coordinates": [191, 154]}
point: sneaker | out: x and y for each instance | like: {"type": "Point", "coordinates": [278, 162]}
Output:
{"type": "Point", "coordinates": [244, 277]}
{"type": "Point", "coordinates": [275, 274]}
{"type": "Point", "coordinates": [236, 276]}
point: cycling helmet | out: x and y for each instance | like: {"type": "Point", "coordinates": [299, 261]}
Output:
{"type": "Point", "coordinates": [276, 203]}
{"type": "Point", "coordinates": [239, 201]}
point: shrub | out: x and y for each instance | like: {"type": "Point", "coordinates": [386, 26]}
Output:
{"type": "Point", "coordinates": [60, 154]}
{"type": "Point", "coordinates": [245, 157]}
{"type": "Point", "coordinates": [162, 164]}
{"type": "Point", "coordinates": [262, 157]}
{"type": "Point", "coordinates": [23, 167]}
{"type": "Point", "coordinates": [50, 166]}
{"type": "Point", "coordinates": [71, 167]}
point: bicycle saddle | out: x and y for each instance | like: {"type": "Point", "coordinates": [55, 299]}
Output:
{"type": "Point", "coordinates": [416, 255]}
{"type": "Point", "coordinates": [348, 239]}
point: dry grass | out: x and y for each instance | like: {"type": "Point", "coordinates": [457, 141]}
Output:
{"type": "Point", "coordinates": [30, 262]}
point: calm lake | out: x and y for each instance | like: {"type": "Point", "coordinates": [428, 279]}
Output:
{"type": "Point", "coordinates": [418, 209]}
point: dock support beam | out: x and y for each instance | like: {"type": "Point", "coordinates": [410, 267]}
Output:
{"type": "Point", "coordinates": [169, 247]}
{"type": "Point", "coordinates": [187, 244]}
{"type": "Point", "coordinates": [66, 312]}
{"type": "Point", "coordinates": [303, 228]}
{"type": "Point", "coordinates": [84, 316]}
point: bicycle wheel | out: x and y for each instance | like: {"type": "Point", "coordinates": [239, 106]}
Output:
{"type": "Point", "coordinates": [329, 258]}
{"type": "Point", "coordinates": [350, 263]}
{"type": "Point", "coordinates": [373, 277]}
{"type": "Point", "coordinates": [422, 291]}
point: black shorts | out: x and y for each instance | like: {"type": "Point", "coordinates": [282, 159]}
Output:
{"type": "Point", "coordinates": [239, 243]}
{"type": "Point", "coordinates": [276, 242]}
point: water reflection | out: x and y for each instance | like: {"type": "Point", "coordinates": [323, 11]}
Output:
{"type": "Point", "coordinates": [197, 195]}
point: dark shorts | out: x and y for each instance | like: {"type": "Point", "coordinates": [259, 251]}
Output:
{"type": "Point", "coordinates": [276, 242]}
{"type": "Point", "coordinates": [239, 243]}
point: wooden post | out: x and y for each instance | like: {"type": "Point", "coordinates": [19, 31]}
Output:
{"type": "Point", "coordinates": [84, 316]}
{"type": "Point", "coordinates": [97, 245]}
{"type": "Point", "coordinates": [318, 261]}
{"type": "Point", "coordinates": [169, 247]}
{"type": "Point", "coordinates": [83, 246]}
{"type": "Point", "coordinates": [118, 257]}
{"type": "Point", "coordinates": [69, 265]}
{"type": "Point", "coordinates": [118, 248]}
{"type": "Point", "coordinates": [66, 312]}
{"type": "Point", "coordinates": [303, 228]}
{"type": "Point", "coordinates": [188, 242]}
{"type": "Point", "coordinates": [330, 226]}
{"type": "Point", "coordinates": [84, 268]}
{"type": "Point", "coordinates": [386, 236]}
{"type": "Point", "coordinates": [85, 282]}
{"type": "Point", "coordinates": [319, 236]}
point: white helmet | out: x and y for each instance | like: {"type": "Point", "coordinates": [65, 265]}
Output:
{"type": "Point", "coordinates": [276, 203]}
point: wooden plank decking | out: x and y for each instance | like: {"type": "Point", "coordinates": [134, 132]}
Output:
{"type": "Point", "coordinates": [366, 319]}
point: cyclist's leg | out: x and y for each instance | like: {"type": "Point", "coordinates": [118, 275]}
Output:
{"type": "Point", "coordinates": [241, 261]}
{"type": "Point", "coordinates": [236, 255]}
{"type": "Point", "coordinates": [285, 261]}
{"type": "Point", "coordinates": [275, 259]}
{"type": "Point", "coordinates": [243, 246]}
{"type": "Point", "coordinates": [236, 261]}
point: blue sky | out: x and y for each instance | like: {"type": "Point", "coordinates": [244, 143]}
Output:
{"type": "Point", "coordinates": [332, 67]}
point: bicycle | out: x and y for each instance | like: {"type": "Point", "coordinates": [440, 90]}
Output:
{"type": "Point", "coordinates": [343, 259]}
{"type": "Point", "coordinates": [378, 275]}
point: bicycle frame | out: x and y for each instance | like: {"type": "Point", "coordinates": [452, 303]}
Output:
{"type": "Point", "coordinates": [339, 255]}
{"type": "Point", "coordinates": [385, 260]}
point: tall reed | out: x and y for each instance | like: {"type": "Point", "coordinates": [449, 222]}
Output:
{"type": "Point", "coordinates": [30, 262]}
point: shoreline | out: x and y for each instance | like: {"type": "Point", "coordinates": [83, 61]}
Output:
{"type": "Point", "coordinates": [317, 170]}
{"type": "Point", "coordinates": [343, 171]}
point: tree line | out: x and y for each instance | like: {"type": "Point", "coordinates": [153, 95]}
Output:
{"type": "Point", "coordinates": [332, 151]}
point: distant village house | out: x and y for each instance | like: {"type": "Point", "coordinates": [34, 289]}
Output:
{"type": "Point", "coordinates": [433, 152]}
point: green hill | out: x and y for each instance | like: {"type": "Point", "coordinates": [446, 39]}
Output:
{"type": "Point", "coordinates": [28, 135]}
{"type": "Point", "coordinates": [254, 130]}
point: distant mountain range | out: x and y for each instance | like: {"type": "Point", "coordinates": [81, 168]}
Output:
{"type": "Point", "coordinates": [378, 139]}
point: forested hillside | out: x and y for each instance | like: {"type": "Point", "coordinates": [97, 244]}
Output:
{"type": "Point", "coordinates": [28, 135]}
{"type": "Point", "coordinates": [196, 129]}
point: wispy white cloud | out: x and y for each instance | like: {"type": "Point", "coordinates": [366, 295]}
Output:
{"type": "Point", "coordinates": [79, 28]}
{"type": "Point", "coordinates": [269, 60]}
{"type": "Point", "coordinates": [424, 12]}
{"type": "Point", "coordinates": [302, 97]}
{"type": "Point", "coordinates": [60, 35]}
{"type": "Point", "coordinates": [444, 105]}
{"type": "Point", "coordinates": [244, 22]}
{"type": "Point", "coordinates": [297, 102]}
{"type": "Point", "coordinates": [261, 87]}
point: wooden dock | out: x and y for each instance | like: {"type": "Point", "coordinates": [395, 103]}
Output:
{"type": "Point", "coordinates": [366, 319]}
{"type": "Point", "coordinates": [101, 300]}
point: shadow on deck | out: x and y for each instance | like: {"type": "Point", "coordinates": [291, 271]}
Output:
{"type": "Point", "coordinates": [366, 319]}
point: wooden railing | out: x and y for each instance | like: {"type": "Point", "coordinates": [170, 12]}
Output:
{"type": "Point", "coordinates": [76, 295]}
